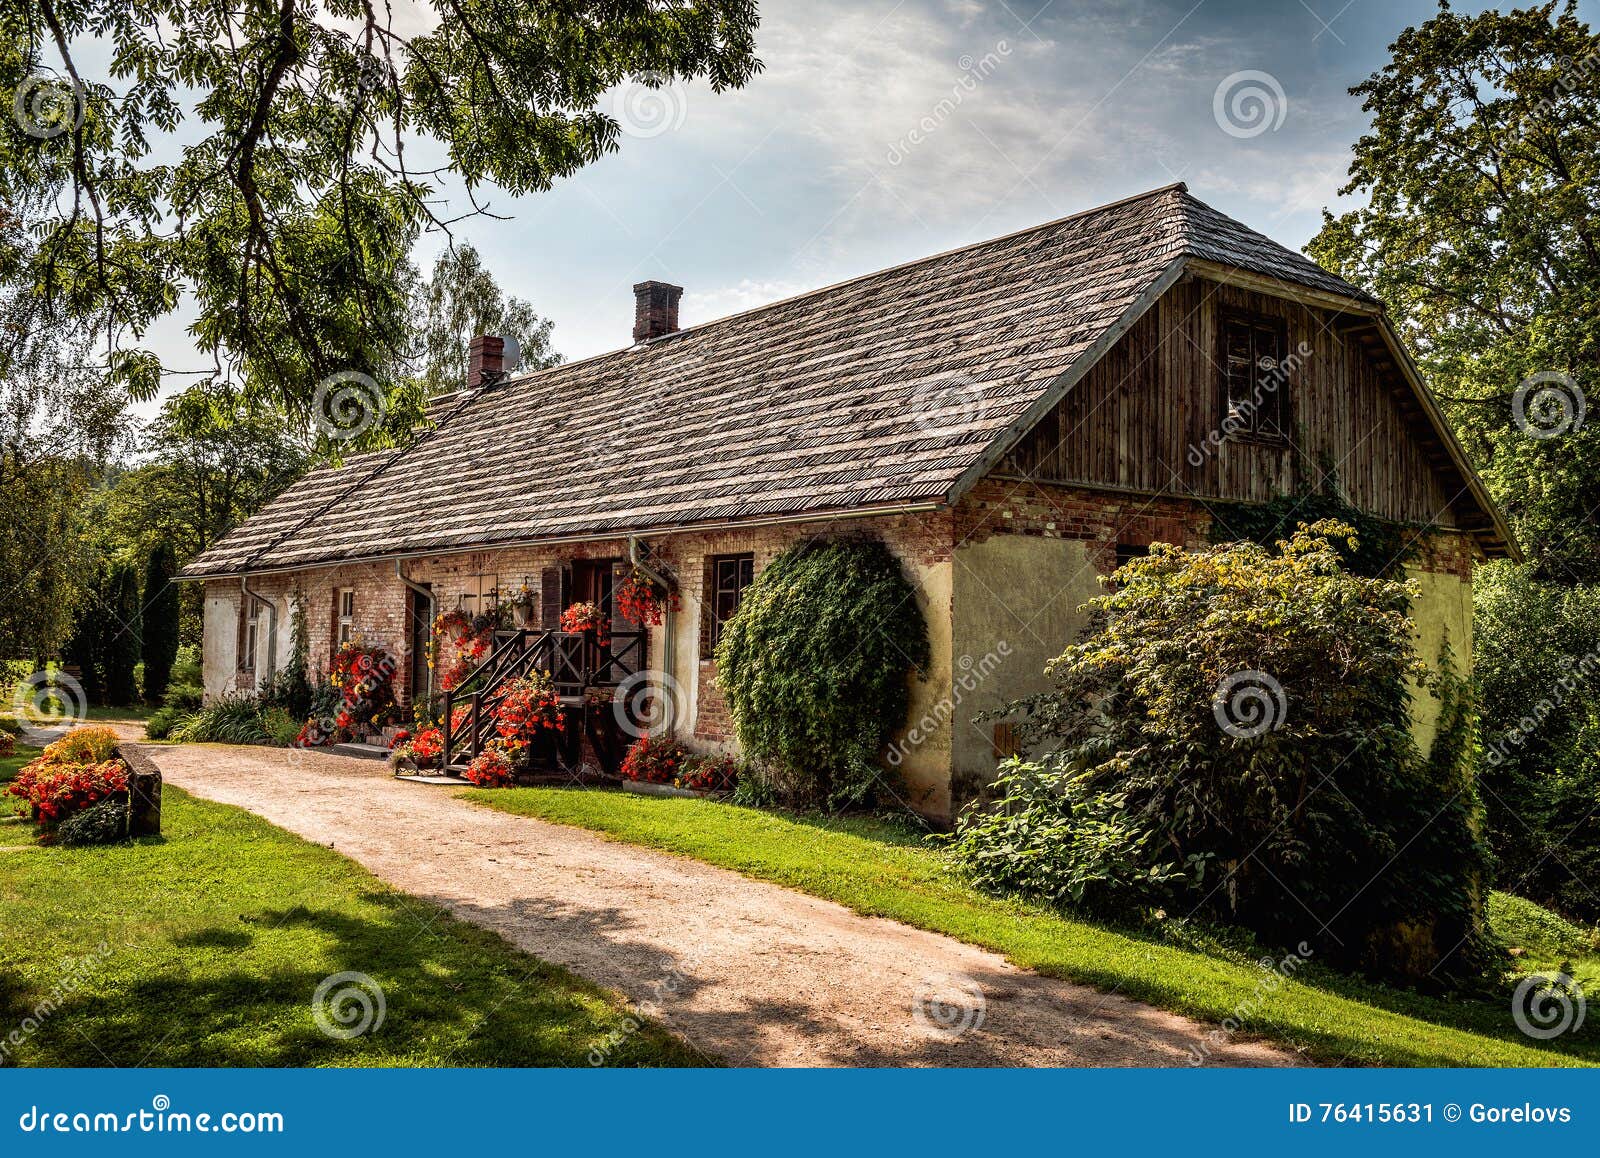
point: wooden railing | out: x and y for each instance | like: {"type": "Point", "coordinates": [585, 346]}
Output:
{"type": "Point", "coordinates": [575, 663]}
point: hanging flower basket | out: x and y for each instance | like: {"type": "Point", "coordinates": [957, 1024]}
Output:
{"type": "Point", "coordinates": [643, 602]}
{"type": "Point", "coordinates": [582, 618]}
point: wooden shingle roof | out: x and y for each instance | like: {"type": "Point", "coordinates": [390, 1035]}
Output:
{"type": "Point", "coordinates": [878, 391]}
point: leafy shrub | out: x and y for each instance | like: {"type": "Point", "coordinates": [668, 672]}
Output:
{"type": "Point", "coordinates": [816, 667]}
{"type": "Point", "coordinates": [102, 823]}
{"type": "Point", "coordinates": [10, 726]}
{"type": "Point", "coordinates": [289, 691]}
{"type": "Point", "coordinates": [1251, 709]}
{"type": "Point", "coordinates": [161, 722]}
{"type": "Point", "coordinates": [1536, 649]}
{"type": "Point", "coordinates": [1052, 835]}
{"type": "Point", "coordinates": [226, 720]}
{"type": "Point", "coordinates": [490, 768]}
{"type": "Point", "coordinates": [186, 686]}
{"type": "Point", "coordinates": [280, 726]}
{"type": "Point", "coordinates": [52, 789]}
{"type": "Point", "coordinates": [8, 745]}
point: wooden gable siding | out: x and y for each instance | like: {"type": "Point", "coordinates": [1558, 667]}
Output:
{"type": "Point", "coordinates": [1143, 416]}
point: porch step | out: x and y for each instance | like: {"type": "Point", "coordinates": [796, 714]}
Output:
{"type": "Point", "coordinates": [364, 751]}
{"type": "Point", "coordinates": [419, 778]}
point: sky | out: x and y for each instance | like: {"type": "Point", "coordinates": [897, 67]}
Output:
{"type": "Point", "coordinates": [881, 131]}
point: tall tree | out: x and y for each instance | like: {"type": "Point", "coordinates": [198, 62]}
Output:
{"type": "Point", "coordinates": [159, 601]}
{"type": "Point", "coordinates": [260, 157]}
{"type": "Point", "coordinates": [1482, 235]}
{"type": "Point", "coordinates": [60, 419]}
{"type": "Point", "coordinates": [461, 300]}
{"type": "Point", "coordinates": [118, 612]}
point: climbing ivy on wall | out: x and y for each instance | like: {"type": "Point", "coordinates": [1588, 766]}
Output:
{"type": "Point", "coordinates": [1380, 548]}
{"type": "Point", "coordinates": [816, 667]}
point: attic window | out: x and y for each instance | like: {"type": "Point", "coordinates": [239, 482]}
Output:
{"type": "Point", "coordinates": [1255, 387]}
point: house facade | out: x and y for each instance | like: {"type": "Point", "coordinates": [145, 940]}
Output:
{"type": "Point", "coordinates": [1011, 419]}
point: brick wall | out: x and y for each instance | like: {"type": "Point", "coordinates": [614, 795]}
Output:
{"type": "Point", "coordinates": [999, 506]}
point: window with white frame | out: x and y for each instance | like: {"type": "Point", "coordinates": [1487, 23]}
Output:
{"type": "Point", "coordinates": [249, 633]}
{"type": "Point", "coordinates": [345, 612]}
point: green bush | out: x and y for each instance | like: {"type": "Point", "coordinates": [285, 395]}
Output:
{"type": "Point", "coordinates": [1536, 659]}
{"type": "Point", "coordinates": [1516, 922]}
{"type": "Point", "coordinates": [816, 668]}
{"type": "Point", "coordinates": [1251, 709]}
{"type": "Point", "coordinates": [226, 720]}
{"type": "Point", "coordinates": [10, 725]}
{"type": "Point", "coordinates": [102, 823]}
{"type": "Point", "coordinates": [281, 727]}
{"type": "Point", "coordinates": [1051, 835]}
{"type": "Point", "coordinates": [161, 722]}
{"type": "Point", "coordinates": [186, 686]}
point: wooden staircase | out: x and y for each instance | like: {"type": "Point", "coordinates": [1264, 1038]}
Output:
{"type": "Point", "coordinates": [576, 665]}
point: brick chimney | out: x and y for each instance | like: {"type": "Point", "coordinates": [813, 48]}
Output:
{"type": "Point", "coordinates": [485, 360]}
{"type": "Point", "coordinates": [655, 309]}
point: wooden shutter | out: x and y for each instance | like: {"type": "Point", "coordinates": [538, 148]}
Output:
{"type": "Point", "coordinates": [621, 572]}
{"type": "Point", "coordinates": [550, 601]}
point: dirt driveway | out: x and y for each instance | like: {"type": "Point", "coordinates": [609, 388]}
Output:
{"type": "Point", "coordinates": [748, 972]}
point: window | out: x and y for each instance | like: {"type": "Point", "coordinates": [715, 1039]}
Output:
{"type": "Point", "coordinates": [345, 616]}
{"type": "Point", "coordinates": [727, 576]}
{"type": "Point", "coordinates": [1128, 552]}
{"type": "Point", "coordinates": [249, 633]}
{"type": "Point", "coordinates": [1255, 377]}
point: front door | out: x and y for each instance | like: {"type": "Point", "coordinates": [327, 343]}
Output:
{"type": "Point", "coordinates": [592, 583]}
{"type": "Point", "coordinates": [420, 609]}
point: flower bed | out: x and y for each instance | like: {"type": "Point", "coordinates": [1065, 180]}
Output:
{"type": "Point", "coordinates": [529, 709]}
{"type": "Point", "coordinates": [74, 773]}
{"type": "Point", "coordinates": [658, 760]}
{"type": "Point", "coordinates": [363, 679]}
{"type": "Point", "coordinates": [491, 768]}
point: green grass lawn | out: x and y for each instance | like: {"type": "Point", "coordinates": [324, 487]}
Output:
{"type": "Point", "coordinates": [11, 765]}
{"type": "Point", "coordinates": [205, 947]}
{"type": "Point", "coordinates": [881, 870]}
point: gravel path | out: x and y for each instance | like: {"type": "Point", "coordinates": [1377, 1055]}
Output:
{"type": "Point", "coordinates": [748, 972]}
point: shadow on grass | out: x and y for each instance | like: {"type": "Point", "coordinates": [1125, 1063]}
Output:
{"type": "Point", "coordinates": [425, 990]}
